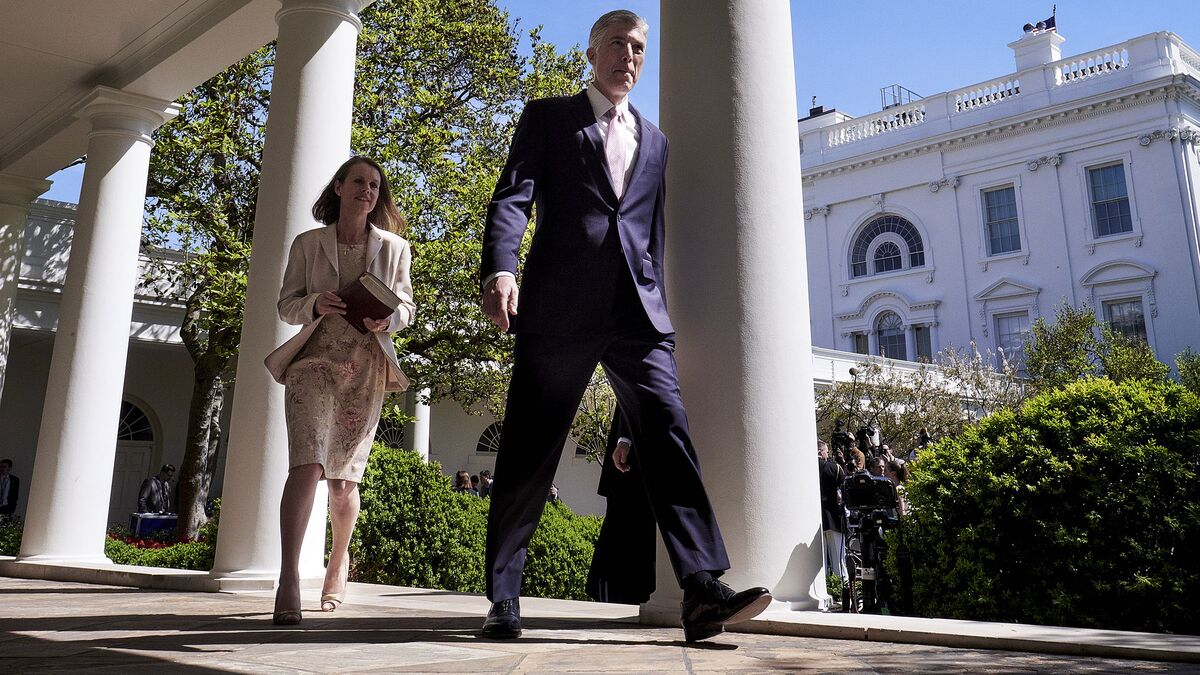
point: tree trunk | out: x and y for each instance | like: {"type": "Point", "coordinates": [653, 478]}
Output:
{"type": "Point", "coordinates": [200, 453]}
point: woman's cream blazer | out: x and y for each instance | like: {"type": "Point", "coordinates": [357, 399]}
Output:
{"type": "Point", "coordinates": [312, 269]}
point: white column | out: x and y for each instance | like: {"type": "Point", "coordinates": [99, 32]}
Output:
{"type": "Point", "coordinates": [418, 436]}
{"type": "Point", "coordinates": [73, 469]}
{"type": "Point", "coordinates": [910, 342]}
{"type": "Point", "coordinates": [16, 192]}
{"type": "Point", "coordinates": [307, 138]}
{"type": "Point", "coordinates": [738, 287]}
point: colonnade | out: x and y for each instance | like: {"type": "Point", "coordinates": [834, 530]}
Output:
{"type": "Point", "coordinates": [728, 107]}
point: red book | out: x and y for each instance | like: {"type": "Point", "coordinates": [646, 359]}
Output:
{"type": "Point", "coordinates": [367, 297]}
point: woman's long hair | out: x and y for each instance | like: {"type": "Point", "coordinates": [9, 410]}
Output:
{"type": "Point", "coordinates": [385, 214]}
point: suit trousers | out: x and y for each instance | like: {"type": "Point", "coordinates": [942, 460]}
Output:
{"type": "Point", "coordinates": [550, 374]}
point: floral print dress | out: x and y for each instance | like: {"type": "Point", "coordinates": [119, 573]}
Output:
{"type": "Point", "coordinates": [334, 389]}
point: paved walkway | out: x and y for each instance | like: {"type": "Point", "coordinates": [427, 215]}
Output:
{"type": "Point", "coordinates": [50, 626]}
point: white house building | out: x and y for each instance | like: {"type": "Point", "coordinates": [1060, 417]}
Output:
{"type": "Point", "coordinates": [966, 215]}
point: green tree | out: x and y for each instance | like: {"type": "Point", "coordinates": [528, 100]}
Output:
{"type": "Point", "coordinates": [1187, 363]}
{"type": "Point", "coordinates": [200, 199]}
{"type": "Point", "coordinates": [1064, 351]}
{"type": "Point", "coordinates": [958, 388]}
{"type": "Point", "coordinates": [439, 87]}
{"type": "Point", "coordinates": [1077, 345]}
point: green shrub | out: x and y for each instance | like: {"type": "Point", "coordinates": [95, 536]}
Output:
{"type": "Point", "coordinates": [1081, 508]}
{"type": "Point", "coordinates": [193, 555]}
{"type": "Point", "coordinates": [10, 536]}
{"type": "Point", "coordinates": [560, 553]}
{"type": "Point", "coordinates": [411, 530]}
{"type": "Point", "coordinates": [196, 555]}
{"type": "Point", "coordinates": [414, 531]}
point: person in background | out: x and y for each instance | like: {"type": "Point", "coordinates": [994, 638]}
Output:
{"type": "Point", "coordinates": [335, 375]}
{"type": "Point", "coordinates": [622, 568]}
{"type": "Point", "coordinates": [155, 493]}
{"type": "Point", "coordinates": [485, 483]}
{"type": "Point", "coordinates": [896, 471]}
{"type": "Point", "coordinates": [875, 466]}
{"type": "Point", "coordinates": [831, 476]}
{"type": "Point", "coordinates": [10, 488]}
{"type": "Point", "coordinates": [462, 483]}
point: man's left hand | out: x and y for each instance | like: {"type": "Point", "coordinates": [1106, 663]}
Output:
{"type": "Point", "coordinates": [621, 456]}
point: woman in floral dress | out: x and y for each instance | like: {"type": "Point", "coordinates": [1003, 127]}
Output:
{"type": "Point", "coordinates": [334, 375]}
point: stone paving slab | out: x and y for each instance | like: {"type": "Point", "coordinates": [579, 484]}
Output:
{"type": "Point", "coordinates": [48, 626]}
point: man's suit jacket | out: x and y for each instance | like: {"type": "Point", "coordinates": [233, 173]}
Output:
{"type": "Point", "coordinates": [312, 269]}
{"type": "Point", "coordinates": [585, 238]}
{"type": "Point", "coordinates": [14, 492]}
{"type": "Point", "coordinates": [154, 496]}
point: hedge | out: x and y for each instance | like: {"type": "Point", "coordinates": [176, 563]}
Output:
{"type": "Point", "coordinates": [1081, 508]}
{"type": "Point", "coordinates": [414, 531]}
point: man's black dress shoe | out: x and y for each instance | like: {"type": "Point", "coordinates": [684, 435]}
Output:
{"type": "Point", "coordinates": [711, 605]}
{"type": "Point", "coordinates": [503, 620]}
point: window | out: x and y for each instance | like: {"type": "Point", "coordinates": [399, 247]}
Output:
{"type": "Point", "coordinates": [889, 255]}
{"type": "Point", "coordinates": [1110, 200]}
{"type": "Point", "coordinates": [390, 433]}
{"type": "Point", "coordinates": [1125, 317]}
{"type": "Point", "coordinates": [1011, 332]}
{"type": "Point", "coordinates": [489, 440]}
{"type": "Point", "coordinates": [133, 425]}
{"type": "Point", "coordinates": [1000, 214]}
{"type": "Point", "coordinates": [887, 258]}
{"type": "Point", "coordinates": [891, 336]}
{"type": "Point", "coordinates": [924, 346]}
{"type": "Point", "coordinates": [861, 344]}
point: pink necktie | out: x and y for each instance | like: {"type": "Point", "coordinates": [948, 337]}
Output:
{"type": "Point", "coordinates": [614, 150]}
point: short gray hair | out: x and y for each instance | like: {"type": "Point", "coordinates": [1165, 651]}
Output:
{"type": "Point", "coordinates": [621, 16]}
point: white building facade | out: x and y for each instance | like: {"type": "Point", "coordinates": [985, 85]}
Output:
{"type": "Point", "coordinates": [967, 215]}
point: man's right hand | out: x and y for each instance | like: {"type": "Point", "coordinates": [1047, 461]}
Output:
{"type": "Point", "coordinates": [500, 300]}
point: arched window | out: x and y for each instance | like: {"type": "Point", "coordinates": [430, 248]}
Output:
{"type": "Point", "coordinates": [890, 329]}
{"type": "Point", "coordinates": [489, 440]}
{"type": "Point", "coordinates": [888, 255]}
{"type": "Point", "coordinates": [134, 425]}
{"type": "Point", "coordinates": [390, 433]}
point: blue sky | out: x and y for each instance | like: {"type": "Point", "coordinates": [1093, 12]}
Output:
{"type": "Point", "coordinates": [845, 51]}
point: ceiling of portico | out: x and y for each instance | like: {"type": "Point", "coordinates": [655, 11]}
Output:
{"type": "Point", "coordinates": [54, 52]}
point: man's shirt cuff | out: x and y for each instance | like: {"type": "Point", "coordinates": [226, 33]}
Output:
{"type": "Point", "coordinates": [496, 275]}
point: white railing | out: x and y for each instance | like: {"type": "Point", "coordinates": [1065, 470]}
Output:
{"type": "Point", "coordinates": [1189, 56]}
{"type": "Point", "coordinates": [879, 123]}
{"type": "Point", "coordinates": [1091, 65]}
{"type": "Point", "coordinates": [978, 96]}
{"type": "Point", "coordinates": [941, 109]}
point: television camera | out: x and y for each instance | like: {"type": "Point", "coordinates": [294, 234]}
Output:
{"type": "Point", "coordinates": [872, 507]}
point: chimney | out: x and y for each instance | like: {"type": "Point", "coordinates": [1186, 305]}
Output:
{"type": "Point", "coordinates": [1037, 49]}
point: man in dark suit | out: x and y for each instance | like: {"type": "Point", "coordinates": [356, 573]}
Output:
{"type": "Point", "coordinates": [10, 488]}
{"type": "Point", "coordinates": [592, 292]}
{"type": "Point", "coordinates": [155, 493]}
